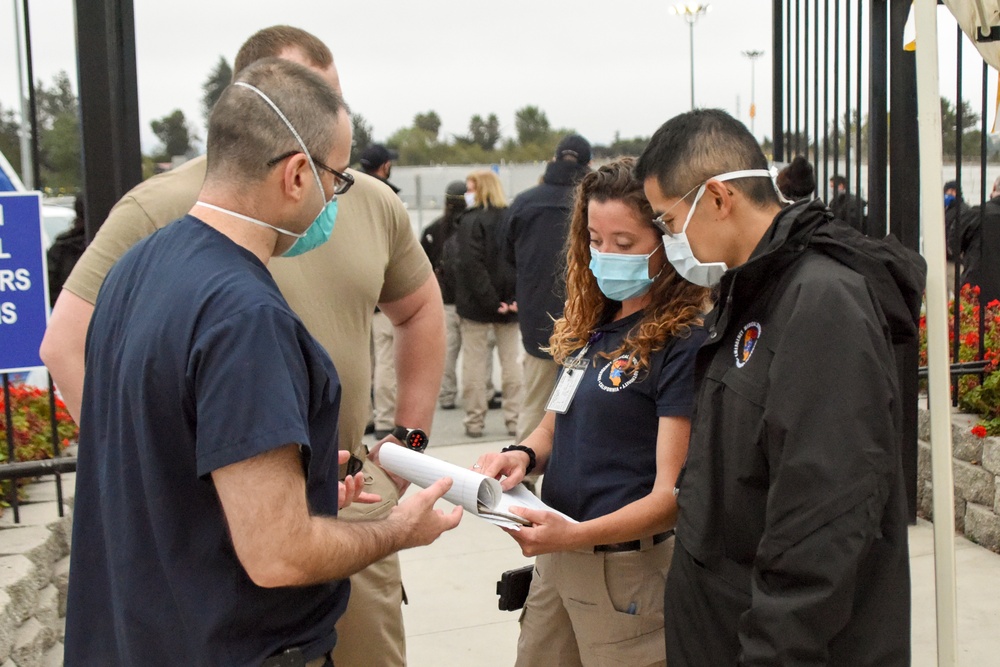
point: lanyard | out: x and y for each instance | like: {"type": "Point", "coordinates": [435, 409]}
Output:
{"type": "Point", "coordinates": [564, 391]}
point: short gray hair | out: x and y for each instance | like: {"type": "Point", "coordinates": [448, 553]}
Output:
{"type": "Point", "coordinates": [244, 132]}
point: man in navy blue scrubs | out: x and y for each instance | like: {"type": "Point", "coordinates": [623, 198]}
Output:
{"type": "Point", "coordinates": [205, 530]}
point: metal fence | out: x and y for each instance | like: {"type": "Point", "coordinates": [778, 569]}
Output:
{"type": "Point", "coordinates": [13, 471]}
{"type": "Point", "coordinates": [977, 365]}
{"type": "Point", "coordinates": [838, 66]}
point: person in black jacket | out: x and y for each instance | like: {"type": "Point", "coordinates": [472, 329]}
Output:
{"type": "Point", "coordinates": [484, 300]}
{"type": "Point", "coordinates": [976, 239]}
{"type": "Point", "coordinates": [64, 253]}
{"type": "Point", "coordinates": [846, 206]}
{"type": "Point", "coordinates": [792, 529]}
{"type": "Point", "coordinates": [434, 240]}
{"type": "Point", "coordinates": [535, 245]}
{"type": "Point", "coordinates": [954, 209]}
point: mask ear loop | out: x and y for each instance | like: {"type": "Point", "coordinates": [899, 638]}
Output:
{"type": "Point", "coordinates": [773, 171]}
{"type": "Point", "coordinates": [694, 205]}
{"type": "Point", "coordinates": [291, 127]}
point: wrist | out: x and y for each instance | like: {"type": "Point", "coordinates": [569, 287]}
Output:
{"type": "Point", "coordinates": [528, 451]}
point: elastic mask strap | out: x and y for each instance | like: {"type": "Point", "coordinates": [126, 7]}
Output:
{"type": "Point", "coordinates": [288, 124]}
{"type": "Point", "coordinates": [771, 173]}
{"type": "Point", "coordinates": [249, 219]}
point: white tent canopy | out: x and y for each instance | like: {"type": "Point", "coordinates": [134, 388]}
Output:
{"type": "Point", "coordinates": [976, 17]}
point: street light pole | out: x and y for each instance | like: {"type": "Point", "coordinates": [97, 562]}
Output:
{"type": "Point", "coordinates": [753, 56]}
{"type": "Point", "coordinates": [691, 14]}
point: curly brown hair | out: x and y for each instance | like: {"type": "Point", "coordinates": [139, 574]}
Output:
{"type": "Point", "coordinates": [675, 303]}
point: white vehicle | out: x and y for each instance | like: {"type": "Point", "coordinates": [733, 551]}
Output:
{"type": "Point", "coordinates": [56, 218]}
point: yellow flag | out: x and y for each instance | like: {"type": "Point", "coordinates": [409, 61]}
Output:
{"type": "Point", "coordinates": [910, 32]}
{"type": "Point", "coordinates": [996, 109]}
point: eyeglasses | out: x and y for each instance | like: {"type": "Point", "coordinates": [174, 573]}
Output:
{"type": "Point", "coordinates": [661, 224]}
{"type": "Point", "coordinates": [340, 186]}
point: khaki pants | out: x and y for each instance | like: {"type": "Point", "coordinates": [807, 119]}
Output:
{"type": "Point", "coordinates": [384, 379]}
{"type": "Point", "coordinates": [538, 380]}
{"type": "Point", "coordinates": [596, 609]}
{"type": "Point", "coordinates": [453, 336]}
{"type": "Point", "coordinates": [475, 358]}
{"type": "Point", "coordinates": [371, 630]}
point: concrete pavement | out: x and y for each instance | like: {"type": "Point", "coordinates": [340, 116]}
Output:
{"type": "Point", "coordinates": [453, 621]}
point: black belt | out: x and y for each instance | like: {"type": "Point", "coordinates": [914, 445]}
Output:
{"type": "Point", "coordinates": [634, 545]}
{"type": "Point", "coordinates": [293, 657]}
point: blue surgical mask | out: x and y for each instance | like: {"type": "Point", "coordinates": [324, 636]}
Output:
{"type": "Point", "coordinates": [316, 235]}
{"type": "Point", "coordinates": [621, 276]}
{"type": "Point", "coordinates": [319, 231]}
{"type": "Point", "coordinates": [948, 199]}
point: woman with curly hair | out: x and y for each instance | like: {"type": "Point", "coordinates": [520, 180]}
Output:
{"type": "Point", "coordinates": [613, 439]}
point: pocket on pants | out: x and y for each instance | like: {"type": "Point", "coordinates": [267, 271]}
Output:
{"type": "Point", "coordinates": [618, 618]}
{"type": "Point", "coordinates": [634, 579]}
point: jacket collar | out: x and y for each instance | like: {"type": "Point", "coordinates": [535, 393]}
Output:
{"type": "Point", "coordinates": [564, 172]}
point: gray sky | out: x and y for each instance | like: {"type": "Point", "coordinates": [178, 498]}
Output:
{"type": "Point", "coordinates": [595, 66]}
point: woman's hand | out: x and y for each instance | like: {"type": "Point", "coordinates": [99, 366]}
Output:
{"type": "Point", "coordinates": [508, 465]}
{"type": "Point", "coordinates": [548, 533]}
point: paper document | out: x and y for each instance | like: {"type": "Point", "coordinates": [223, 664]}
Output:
{"type": "Point", "coordinates": [477, 493]}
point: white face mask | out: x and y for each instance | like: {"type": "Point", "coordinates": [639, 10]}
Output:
{"type": "Point", "coordinates": [678, 248]}
{"type": "Point", "coordinates": [470, 199]}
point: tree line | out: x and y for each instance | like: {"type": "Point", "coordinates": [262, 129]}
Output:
{"type": "Point", "coordinates": [534, 138]}
{"type": "Point", "coordinates": [846, 132]}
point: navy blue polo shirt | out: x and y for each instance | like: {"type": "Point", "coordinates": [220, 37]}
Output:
{"type": "Point", "coordinates": [194, 362]}
{"type": "Point", "coordinates": [604, 447]}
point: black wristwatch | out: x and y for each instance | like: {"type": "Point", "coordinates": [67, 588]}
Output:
{"type": "Point", "coordinates": [412, 438]}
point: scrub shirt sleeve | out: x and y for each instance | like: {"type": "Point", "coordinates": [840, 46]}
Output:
{"type": "Point", "coordinates": [249, 377]}
{"type": "Point", "coordinates": [675, 386]}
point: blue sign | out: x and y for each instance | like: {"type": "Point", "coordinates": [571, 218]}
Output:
{"type": "Point", "coordinates": [24, 289]}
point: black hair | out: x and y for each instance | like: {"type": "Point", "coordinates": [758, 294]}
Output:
{"type": "Point", "coordinates": [693, 147]}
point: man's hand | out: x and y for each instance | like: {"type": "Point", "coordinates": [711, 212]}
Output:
{"type": "Point", "coordinates": [511, 466]}
{"type": "Point", "coordinates": [401, 484]}
{"type": "Point", "coordinates": [352, 489]}
{"type": "Point", "coordinates": [424, 524]}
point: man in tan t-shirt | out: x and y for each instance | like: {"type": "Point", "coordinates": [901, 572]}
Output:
{"type": "Point", "coordinates": [372, 258]}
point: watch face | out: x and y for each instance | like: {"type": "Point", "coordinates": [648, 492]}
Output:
{"type": "Point", "coordinates": [416, 440]}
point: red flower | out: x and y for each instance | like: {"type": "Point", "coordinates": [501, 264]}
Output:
{"type": "Point", "coordinates": [979, 431]}
{"type": "Point", "coordinates": [972, 339]}
{"type": "Point", "coordinates": [993, 304]}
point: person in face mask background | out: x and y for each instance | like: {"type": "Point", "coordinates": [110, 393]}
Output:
{"type": "Point", "coordinates": [613, 438]}
{"type": "Point", "coordinates": [484, 301]}
{"type": "Point", "coordinates": [792, 527]}
{"type": "Point", "coordinates": [207, 489]}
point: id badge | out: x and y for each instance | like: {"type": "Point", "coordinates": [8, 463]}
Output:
{"type": "Point", "coordinates": [569, 382]}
